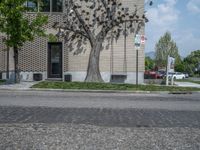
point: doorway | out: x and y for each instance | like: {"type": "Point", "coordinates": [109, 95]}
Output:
{"type": "Point", "coordinates": [55, 60]}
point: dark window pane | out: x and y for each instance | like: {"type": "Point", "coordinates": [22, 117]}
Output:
{"type": "Point", "coordinates": [57, 5]}
{"type": "Point", "coordinates": [55, 59]}
{"type": "Point", "coordinates": [45, 6]}
{"type": "Point", "coordinates": [32, 5]}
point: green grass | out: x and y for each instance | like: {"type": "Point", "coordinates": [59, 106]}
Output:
{"type": "Point", "coordinates": [109, 86]}
{"type": "Point", "coordinates": [188, 80]}
{"type": "Point", "coordinates": [2, 81]}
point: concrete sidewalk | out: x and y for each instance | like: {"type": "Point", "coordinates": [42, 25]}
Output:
{"type": "Point", "coordinates": [187, 84]}
{"type": "Point", "coordinates": [20, 86]}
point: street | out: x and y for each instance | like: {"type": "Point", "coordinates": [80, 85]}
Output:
{"type": "Point", "coordinates": [62, 120]}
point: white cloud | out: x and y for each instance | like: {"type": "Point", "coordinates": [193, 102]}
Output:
{"type": "Point", "coordinates": [166, 17]}
{"type": "Point", "coordinates": [187, 43]}
{"type": "Point", "coordinates": [164, 14]}
{"type": "Point", "coordinates": [162, 18]}
{"type": "Point", "coordinates": [194, 6]}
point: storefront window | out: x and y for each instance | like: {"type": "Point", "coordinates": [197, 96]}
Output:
{"type": "Point", "coordinates": [44, 6]}
{"type": "Point", "coordinates": [57, 5]}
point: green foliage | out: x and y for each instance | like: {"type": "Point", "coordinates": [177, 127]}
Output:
{"type": "Point", "coordinates": [149, 63]}
{"type": "Point", "coordinates": [52, 38]}
{"type": "Point", "coordinates": [166, 46]}
{"type": "Point", "coordinates": [180, 66]}
{"type": "Point", "coordinates": [192, 62]}
{"type": "Point", "coordinates": [16, 26]}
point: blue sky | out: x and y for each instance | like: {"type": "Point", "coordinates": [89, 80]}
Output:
{"type": "Point", "coordinates": [180, 17]}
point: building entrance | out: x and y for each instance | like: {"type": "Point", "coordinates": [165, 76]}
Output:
{"type": "Point", "coordinates": [55, 60]}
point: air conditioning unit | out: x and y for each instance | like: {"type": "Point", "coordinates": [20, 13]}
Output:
{"type": "Point", "coordinates": [37, 76]}
{"type": "Point", "coordinates": [68, 77]}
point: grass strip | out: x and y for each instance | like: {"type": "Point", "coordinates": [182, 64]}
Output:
{"type": "Point", "coordinates": [109, 86]}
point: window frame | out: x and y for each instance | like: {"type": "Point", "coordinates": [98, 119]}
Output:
{"type": "Point", "coordinates": [49, 12]}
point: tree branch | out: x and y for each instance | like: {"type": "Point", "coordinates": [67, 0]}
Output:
{"type": "Point", "coordinates": [75, 31]}
{"type": "Point", "coordinates": [123, 21]}
{"type": "Point", "coordinates": [87, 30]}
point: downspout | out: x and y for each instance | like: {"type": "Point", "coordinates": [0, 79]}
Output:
{"type": "Point", "coordinates": [7, 67]}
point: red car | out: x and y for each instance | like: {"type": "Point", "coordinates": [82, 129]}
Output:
{"type": "Point", "coordinates": [152, 75]}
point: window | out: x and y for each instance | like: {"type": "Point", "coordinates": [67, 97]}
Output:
{"type": "Point", "coordinates": [57, 5]}
{"type": "Point", "coordinates": [45, 5]}
{"type": "Point", "coordinates": [32, 5]}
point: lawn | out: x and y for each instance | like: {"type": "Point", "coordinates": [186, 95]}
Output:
{"type": "Point", "coordinates": [109, 86]}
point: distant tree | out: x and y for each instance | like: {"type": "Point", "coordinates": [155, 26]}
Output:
{"type": "Point", "coordinates": [192, 62]}
{"type": "Point", "coordinates": [149, 63]}
{"type": "Point", "coordinates": [95, 21]}
{"type": "Point", "coordinates": [166, 46]}
{"type": "Point", "coordinates": [18, 28]}
{"type": "Point", "coordinates": [180, 66]}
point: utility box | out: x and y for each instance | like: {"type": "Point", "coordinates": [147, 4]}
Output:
{"type": "Point", "coordinates": [37, 76]}
{"type": "Point", "coordinates": [118, 78]}
{"type": "Point", "coordinates": [68, 77]}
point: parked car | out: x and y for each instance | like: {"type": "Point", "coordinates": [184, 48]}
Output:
{"type": "Point", "coordinates": [161, 73]}
{"type": "Point", "coordinates": [176, 75]}
{"type": "Point", "coordinates": [152, 75]}
{"type": "Point", "coordinates": [179, 75]}
{"type": "Point", "coordinates": [186, 75]}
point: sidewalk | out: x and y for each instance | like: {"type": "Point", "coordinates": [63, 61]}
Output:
{"type": "Point", "coordinates": [20, 86]}
{"type": "Point", "coordinates": [187, 84]}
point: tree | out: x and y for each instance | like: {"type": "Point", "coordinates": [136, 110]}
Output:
{"type": "Point", "coordinates": [149, 63]}
{"type": "Point", "coordinates": [166, 46]}
{"type": "Point", "coordinates": [192, 62]}
{"type": "Point", "coordinates": [95, 21]}
{"type": "Point", "coordinates": [180, 67]}
{"type": "Point", "coordinates": [18, 28]}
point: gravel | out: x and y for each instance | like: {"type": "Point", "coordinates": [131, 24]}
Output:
{"type": "Point", "coordinates": [88, 137]}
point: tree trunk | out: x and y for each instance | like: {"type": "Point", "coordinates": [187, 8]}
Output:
{"type": "Point", "coordinates": [93, 72]}
{"type": "Point", "coordinates": [17, 76]}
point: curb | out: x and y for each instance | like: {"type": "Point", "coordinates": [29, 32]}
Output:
{"type": "Point", "coordinates": [102, 91]}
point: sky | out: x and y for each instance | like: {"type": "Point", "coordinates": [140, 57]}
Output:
{"type": "Point", "coordinates": [180, 17]}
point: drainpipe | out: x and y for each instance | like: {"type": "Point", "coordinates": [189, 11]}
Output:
{"type": "Point", "coordinates": [7, 67]}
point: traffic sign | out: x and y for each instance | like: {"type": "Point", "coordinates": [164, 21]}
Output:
{"type": "Point", "coordinates": [137, 40]}
{"type": "Point", "coordinates": [142, 39]}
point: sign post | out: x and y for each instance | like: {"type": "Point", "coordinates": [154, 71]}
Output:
{"type": "Point", "coordinates": [137, 46]}
{"type": "Point", "coordinates": [139, 39]}
{"type": "Point", "coordinates": [170, 65]}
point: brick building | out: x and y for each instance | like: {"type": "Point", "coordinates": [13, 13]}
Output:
{"type": "Point", "coordinates": [54, 60]}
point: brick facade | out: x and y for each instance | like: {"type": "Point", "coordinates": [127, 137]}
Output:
{"type": "Point", "coordinates": [33, 55]}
